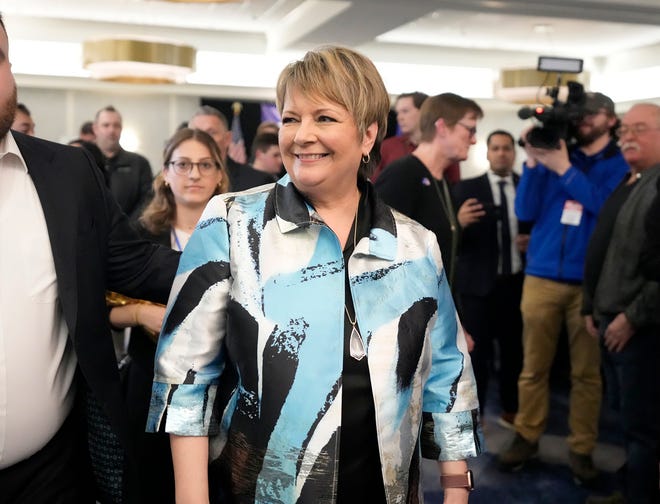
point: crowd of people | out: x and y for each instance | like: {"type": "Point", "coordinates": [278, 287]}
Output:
{"type": "Point", "coordinates": [307, 325]}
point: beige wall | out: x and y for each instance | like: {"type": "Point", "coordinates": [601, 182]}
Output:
{"type": "Point", "coordinates": [58, 114]}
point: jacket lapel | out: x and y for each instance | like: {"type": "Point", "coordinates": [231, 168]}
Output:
{"type": "Point", "coordinates": [60, 212]}
{"type": "Point", "coordinates": [485, 189]}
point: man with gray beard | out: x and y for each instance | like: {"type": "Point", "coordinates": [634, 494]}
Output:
{"type": "Point", "coordinates": [621, 305]}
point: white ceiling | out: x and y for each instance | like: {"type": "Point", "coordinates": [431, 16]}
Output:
{"type": "Point", "coordinates": [430, 45]}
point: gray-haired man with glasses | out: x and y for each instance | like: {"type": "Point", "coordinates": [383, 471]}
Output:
{"type": "Point", "coordinates": [621, 305]}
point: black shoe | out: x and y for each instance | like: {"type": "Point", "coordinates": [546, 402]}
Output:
{"type": "Point", "coordinates": [519, 451]}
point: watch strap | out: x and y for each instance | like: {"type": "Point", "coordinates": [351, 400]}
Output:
{"type": "Point", "coordinates": [464, 480]}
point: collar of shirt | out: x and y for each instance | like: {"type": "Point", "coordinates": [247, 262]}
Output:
{"type": "Point", "coordinates": [495, 178]}
{"type": "Point", "coordinates": [577, 155]}
{"type": "Point", "coordinates": [8, 147]}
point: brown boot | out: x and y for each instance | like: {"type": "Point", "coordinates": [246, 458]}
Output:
{"type": "Point", "coordinates": [506, 420]}
{"type": "Point", "coordinates": [582, 466]}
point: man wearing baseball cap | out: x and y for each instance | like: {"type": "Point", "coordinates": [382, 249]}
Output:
{"type": "Point", "coordinates": [595, 102]}
{"type": "Point", "coordinates": [562, 190]}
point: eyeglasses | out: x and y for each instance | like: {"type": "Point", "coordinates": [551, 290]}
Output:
{"type": "Point", "coordinates": [472, 130]}
{"type": "Point", "coordinates": [636, 129]}
{"type": "Point", "coordinates": [184, 166]}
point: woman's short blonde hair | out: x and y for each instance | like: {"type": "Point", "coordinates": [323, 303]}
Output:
{"type": "Point", "coordinates": [347, 78]}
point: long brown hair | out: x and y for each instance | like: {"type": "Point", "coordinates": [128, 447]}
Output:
{"type": "Point", "coordinates": [160, 213]}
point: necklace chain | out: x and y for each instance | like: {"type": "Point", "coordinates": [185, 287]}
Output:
{"type": "Point", "coordinates": [355, 225]}
{"type": "Point", "coordinates": [353, 322]}
{"type": "Point", "coordinates": [445, 202]}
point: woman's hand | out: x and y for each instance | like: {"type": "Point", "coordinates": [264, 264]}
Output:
{"type": "Point", "coordinates": [456, 496]}
{"type": "Point", "coordinates": [150, 316]}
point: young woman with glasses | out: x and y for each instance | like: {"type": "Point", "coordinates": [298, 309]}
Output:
{"type": "Point", "coordinates": [193, 172]}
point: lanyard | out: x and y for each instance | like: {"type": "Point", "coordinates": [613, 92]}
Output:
{"type": "Point", "coordinates": [176, 240]}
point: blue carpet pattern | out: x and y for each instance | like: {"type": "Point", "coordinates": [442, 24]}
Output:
{"type": "Point", "coordinates": [545, 480]}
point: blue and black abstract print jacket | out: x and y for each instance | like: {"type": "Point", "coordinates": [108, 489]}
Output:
{"type": "Point", "coordinates": [251, 350]}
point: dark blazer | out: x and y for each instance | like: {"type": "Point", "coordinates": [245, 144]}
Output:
{"type": "Point", "coordinates": [94, 249]}
{"type": "Point", "coordinates": [243, 176]}
{"type": "Point", "coordinates": [650, 258]}
{"type": "Point", "coordinates": [476, 267]}
{"type": "Point", "coordinates": [129, 175]}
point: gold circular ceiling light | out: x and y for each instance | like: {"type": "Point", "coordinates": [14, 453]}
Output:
{"type": "Point", "coordinates": [128, 59]}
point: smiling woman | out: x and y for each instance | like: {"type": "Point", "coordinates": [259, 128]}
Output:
{"type": "Point", "coordinates": [311, 334]}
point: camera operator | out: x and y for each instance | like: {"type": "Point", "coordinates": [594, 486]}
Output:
{"type": "Point", "coordinates": [562, 190]}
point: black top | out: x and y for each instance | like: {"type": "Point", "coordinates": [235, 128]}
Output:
{"type": "Point", "coordinates": [242, 177]}
{"type": "Point", "coordinates": [360, 476]}
{"type": "Point", "coordinates": [408, 186]}
{"type": "Point", "coordinates": [129, 177]}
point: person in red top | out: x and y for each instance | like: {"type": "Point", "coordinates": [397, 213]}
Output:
{"type": "Point", "coordinates": [407, 107]}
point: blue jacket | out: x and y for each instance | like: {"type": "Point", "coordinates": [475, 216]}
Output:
{"type": "Point", "coordinates": [556, 251]}
{"type": "Point", "coordinates": [260, 290]}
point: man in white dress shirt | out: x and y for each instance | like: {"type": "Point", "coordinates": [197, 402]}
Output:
{"type": "Point", "coordinates": [65, 242]}
{"type": "Point", "coordinates": [489, 273]}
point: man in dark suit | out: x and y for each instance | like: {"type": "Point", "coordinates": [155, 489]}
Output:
{"type": "Point", "coordinates": [489, 273]}
{"type": "Point", "coordinates": [65, 242]}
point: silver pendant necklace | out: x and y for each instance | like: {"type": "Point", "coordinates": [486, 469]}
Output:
{"type": "Point", "coordinates": [356, 346]}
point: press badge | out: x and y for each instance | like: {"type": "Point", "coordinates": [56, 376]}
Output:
{"type": "Point", "coordinates": [572, 213]}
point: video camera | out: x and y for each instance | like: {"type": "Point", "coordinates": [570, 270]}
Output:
{"type": "Point", "coordinates": [558, 119]}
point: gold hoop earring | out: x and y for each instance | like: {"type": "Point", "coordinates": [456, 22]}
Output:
{"type": "Point", "coordinates": [368, 158]}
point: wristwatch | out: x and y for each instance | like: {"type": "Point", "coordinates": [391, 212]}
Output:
{"type": "Point", "coordinates": [465, 480]}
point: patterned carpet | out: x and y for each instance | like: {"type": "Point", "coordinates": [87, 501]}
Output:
{"type": "Point", "coordinates": [546, 480]}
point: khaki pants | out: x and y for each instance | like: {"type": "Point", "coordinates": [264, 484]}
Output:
{"type": "Point", "coordinates": [545, 305]}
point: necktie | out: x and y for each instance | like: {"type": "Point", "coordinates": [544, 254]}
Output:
{"type": "Point", "coordinates": [505, 231]}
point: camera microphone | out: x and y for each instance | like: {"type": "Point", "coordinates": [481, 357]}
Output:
{"type": "Point", "coordinates": [526, 112]}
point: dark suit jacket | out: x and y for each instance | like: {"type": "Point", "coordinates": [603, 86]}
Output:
{"type": "Point", "coordinates": [94, 249]}
{"type": "Point", "coordinates": [650, 258]}
{"type": "Point", "coordinates": [242, 177]}
{"type": "Point", "coordinates": [476, 267]}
